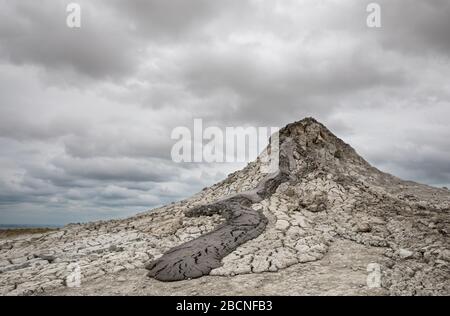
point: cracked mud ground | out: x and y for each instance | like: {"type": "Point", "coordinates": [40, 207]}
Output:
{"type": "Point", "coordinates": [315, 232]}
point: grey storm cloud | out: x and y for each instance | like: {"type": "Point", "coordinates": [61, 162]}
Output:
{"type": "Point", "coordinates": [172, 20]}
{"type": "Point", "coordinates": [419, 27]}
{"type": "Point", "coordinates": [35, 33]}
{"type": "Point", "coordinates": [301, 83]}
{"type": "Point", "coordinates": [86, 114]}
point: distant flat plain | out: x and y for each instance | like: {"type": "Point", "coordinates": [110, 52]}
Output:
{"type": "Point", "coordinates": [13, 230]}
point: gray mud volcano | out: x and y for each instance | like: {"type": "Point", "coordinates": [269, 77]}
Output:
{"type": "Point", "coordinates": [326, 223]}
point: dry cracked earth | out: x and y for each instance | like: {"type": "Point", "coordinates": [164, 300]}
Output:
{"type": "Point", "coordinates": [327, 223]}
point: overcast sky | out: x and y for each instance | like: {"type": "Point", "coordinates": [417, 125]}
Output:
{"type": "Point", "coordinates": [86, 113]}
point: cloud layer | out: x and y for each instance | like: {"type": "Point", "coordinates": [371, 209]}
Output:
{"type": "Point", "coordinates": [86, 114]}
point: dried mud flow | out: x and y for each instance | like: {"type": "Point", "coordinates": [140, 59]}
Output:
{"type": "Point", "coordinates": [199, 256]}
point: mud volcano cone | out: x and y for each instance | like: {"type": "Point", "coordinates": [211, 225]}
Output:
{"type": "Point", "coordinates": [323, 192]}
